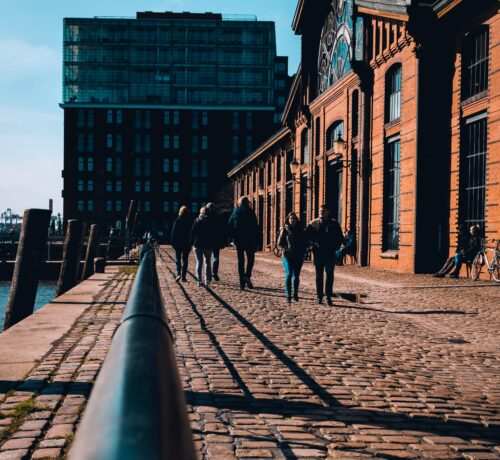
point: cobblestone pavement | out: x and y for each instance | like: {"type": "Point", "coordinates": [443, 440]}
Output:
{"type": "Point", "coordinates": [407, 369]}
{"type": "Point", "coordinates": [39, 416]}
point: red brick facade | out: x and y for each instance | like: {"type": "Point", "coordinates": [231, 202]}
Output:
{"type": "Point", "coordinates": [396, 180]}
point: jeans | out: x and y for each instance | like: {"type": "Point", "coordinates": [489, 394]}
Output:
{"type": "Point", "coordinates": [182, 260]}
{"type": "Point", "coordinates": [200, 255]}
{"type": "Point", "coordinates": [324, 263]}
{"type": "Point", "coordinates": [292, 268]}
{"type": "Point", "coordinates": [459, 260]}
{"type": "Point", "coordinates": [215, 266]}
{"type": "Point", "coordinates": [241, 250]}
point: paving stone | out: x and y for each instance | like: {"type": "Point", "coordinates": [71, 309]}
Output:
{"type": "Point", "coordinates": [18, 454]}
{"type": "Point", "coordinates": [47, 453]}
{"type": "Point", "coordinates": [13, 444]}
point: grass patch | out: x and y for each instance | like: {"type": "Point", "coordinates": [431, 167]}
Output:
{"type": "Point", "coordinates": [20, 412]}
{"type": "Point", "coordinates": [129, 269]}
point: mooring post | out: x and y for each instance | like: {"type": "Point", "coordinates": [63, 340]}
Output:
{"type": "Point", "coordinates": [70, 264]}
{"type": "Point", "coordinates": [92, 246]}
{"type": "Point", "coordinates": [30, 252]}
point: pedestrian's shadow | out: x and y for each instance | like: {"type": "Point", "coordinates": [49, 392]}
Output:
{"type": "Point", "coordinates": [387, 419]}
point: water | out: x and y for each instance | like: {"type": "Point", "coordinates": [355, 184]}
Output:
{"type": "Point", "coordinates": [45, 293]}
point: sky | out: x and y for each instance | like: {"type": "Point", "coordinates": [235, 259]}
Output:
{"type": "Point", "coordinates": [31, 121]}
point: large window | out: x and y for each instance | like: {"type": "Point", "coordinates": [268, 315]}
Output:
{"type": "Point", "coordinates": [304, 147]}
{"type": "Point", "coordinates": [473, 171]}
{"type": "Point", "coordinates": [391, 194]}
{"type": "Point", "coordinates": [393, 94]}
{"type": "Point", "coordinates": [475, 63]}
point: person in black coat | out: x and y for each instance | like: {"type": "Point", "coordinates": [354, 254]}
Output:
{"type": "Point", "coordinates": [245, 231]}
{"type": "Point", "coordinates": [326, 236]}
{"type": "Point", "coordinates": [180, 241]}
{"type": "Point", "coordinates": [203, 238]}
{"type": "Point", "coordinates": [292, 239]}
{"type": "Point", "coordinates": [469, 252]}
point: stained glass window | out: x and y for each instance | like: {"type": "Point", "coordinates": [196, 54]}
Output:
{"type": "Point", "coordinates": [335, 50]}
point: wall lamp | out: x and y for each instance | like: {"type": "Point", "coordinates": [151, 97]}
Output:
{"type": "Point", "coordinates": [295, 170]}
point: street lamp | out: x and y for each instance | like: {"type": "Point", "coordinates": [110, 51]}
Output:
{"type": "Point", "coordinates": [295, 170]}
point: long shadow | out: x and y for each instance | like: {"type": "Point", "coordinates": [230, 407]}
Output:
{"type": "Point", "coordinates": [337, 411]}
{"type": "Point", "coordinates": [47, 388]}
{"type": "Point", "coordinates": [248, 400]}
{"type": "Point", "coordinates": [348, 415]}
{"type": "Point", "coordinates": [410, 312]}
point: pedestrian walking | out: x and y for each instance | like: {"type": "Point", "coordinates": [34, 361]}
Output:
{"type": "Point", "coordinates": [180, 241]}
{"type": "Point", "coordinates": [292, 239]}
{"type": "Point", "coordinates": [245, 231]}
{"type": "Point", "coordinates": [326, 236]}
{"type": "Point", "coordinates": [202, 239]}
{"type": "Point", "coordinates": [220, 229]}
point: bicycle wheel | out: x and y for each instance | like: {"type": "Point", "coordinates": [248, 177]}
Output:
{"type": "Point", "coordinates": [495, 265]}
{"type": "Point", "coordinates": [477, 266]}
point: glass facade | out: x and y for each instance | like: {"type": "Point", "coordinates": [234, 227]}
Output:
{"type": "Point", "coordinates": [168, 61]}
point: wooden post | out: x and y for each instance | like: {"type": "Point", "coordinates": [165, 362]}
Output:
{"type": "Point", "coordinates": [92, 246]}
{"type": "Point", "coordinates": [32, 244]}
{"type": "Point", "coordinates": [70, 264]}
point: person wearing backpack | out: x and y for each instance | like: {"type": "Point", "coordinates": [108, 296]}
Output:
{"type": "Point", "coordinates": [245, 231]}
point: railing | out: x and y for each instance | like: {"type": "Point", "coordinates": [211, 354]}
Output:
{"type": "Point", "coordinates": [137, 408]}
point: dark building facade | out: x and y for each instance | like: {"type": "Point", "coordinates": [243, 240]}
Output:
{"type": "Point", "coordinates": [160, 107]}
{"type": "Point", "coordinates": [392, 121]}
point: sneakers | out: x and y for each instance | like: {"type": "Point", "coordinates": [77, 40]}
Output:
{"type": "Point", "coordinates": [320, 300]}
{"type": "Point", "coordinates": [183, 278]}
{"type": "Point", "coordinates": [329, 301]}
{"type": "Point", "coordinates": [249, 282]}
{"type": "Point", "coordinates": [288, 300]}
{"type": "Point", "coordinates": [216, 277]}
{"type": "Point", "coordinates": [177, 277]}
{"type": "Point", "coordinates": [296, 297]}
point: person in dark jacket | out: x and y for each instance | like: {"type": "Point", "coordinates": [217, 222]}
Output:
{"type": "Point", "coordinates": [180, 241]}
{"type": "Point", "coordinates": [326, 236]}
{"type": "Point", "coordinates": [203, 237]}
{"type": "Point", "coordinates": [292, 239]}
{"type": "Point", "coordinates": [220, 240]}
{"type": "Point", "coordinates": [468, 254]}
{"type": "Point", "coordinates": [245, 231]}
{"type": "Point", "coordinates": [462, 244]}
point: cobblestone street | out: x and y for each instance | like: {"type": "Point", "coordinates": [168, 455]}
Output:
{"type": "Point", "coordinates": [408, 368]}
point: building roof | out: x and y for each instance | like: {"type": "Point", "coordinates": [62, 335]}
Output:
{"type": "Point", "coordinates": [283, 132]}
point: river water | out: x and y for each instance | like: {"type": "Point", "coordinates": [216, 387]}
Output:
{"type": "Point", "coordinates": [45, 293]}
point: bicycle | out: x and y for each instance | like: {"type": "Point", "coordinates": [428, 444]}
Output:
{"type": "Point", "coordinates": [481, 260]}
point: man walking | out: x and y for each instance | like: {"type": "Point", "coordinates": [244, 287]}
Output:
{"type": "Point", "coordinates": [326, 236]}
{"type": "Point", "coordinates": [245, 231]}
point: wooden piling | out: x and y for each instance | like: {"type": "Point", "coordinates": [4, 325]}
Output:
{"type": "Point", "coordinates": [92, 246]}
{"type": "Point", "coordinates": [70, 264]}
{"type": "Point", "coordinates": [30, 251]}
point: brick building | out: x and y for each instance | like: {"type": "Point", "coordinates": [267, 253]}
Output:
{"type": "Point", "coordinates": [392, 121]}
{"type": "Point", "coordinates": [159, 107]}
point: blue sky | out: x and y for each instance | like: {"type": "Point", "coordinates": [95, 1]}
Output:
{"type": "Point", "coordinates": [31, 122]}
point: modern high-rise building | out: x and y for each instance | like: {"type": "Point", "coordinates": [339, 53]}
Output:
{"type": "Point", "coordinates": [159, 107]}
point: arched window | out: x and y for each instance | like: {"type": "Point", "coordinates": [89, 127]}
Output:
{"type": "Point", "coordinates": [393, 94]}
{"type": "Point", "coordinates": [475, 53]}
{"type": "Point", "coordinates": [335, 130]}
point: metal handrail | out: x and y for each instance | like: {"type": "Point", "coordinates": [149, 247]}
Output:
{"type": "Point", "coordinates": [137, 408]}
